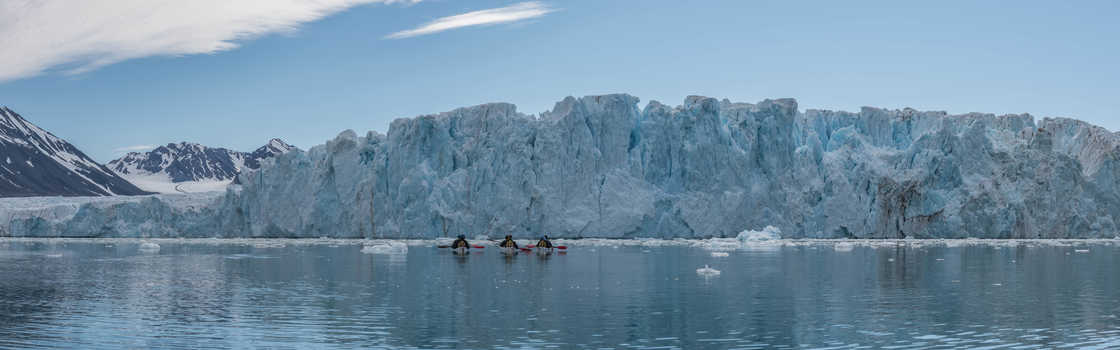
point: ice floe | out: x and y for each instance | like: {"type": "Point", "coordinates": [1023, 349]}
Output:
{"type": "Point", "coordinates": [707, 271]}
{"type": "Point", "coordinates": [149, 247]}
{"type": "Point", "coordinates": [385, 247]}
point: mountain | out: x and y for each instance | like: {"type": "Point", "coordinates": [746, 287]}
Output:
{"type": "Point", "coordinates": [34, 162]}
{"type": "Point", "coordinates": [601, 166]}
{"type": "Point", "coordinates": [190, 167]}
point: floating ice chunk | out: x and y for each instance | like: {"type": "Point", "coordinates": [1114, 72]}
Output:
{"type": "Point", "coordinates": [389, 247]}
{"type": "Point", "coordinates": [843, 247]}
{"type": "Point", "coordinates": [651, 242]}
{"type": "Point", "coordinates": [1081, 250]}
{"type": "Point", "coordinates": [707, 271]}
{"type": "Point", "coordinates": [768, 234]}
{"type": "Point", "coordinates": [54, 255]}
{"type": "Point", "coordinates": [720, 254]}
{"type": "Point", "coordinates": [718, 244]}
{"type": "Point", "coordinates": [268, 244]}
{"type": "Point", "coordinates": [149, 247]}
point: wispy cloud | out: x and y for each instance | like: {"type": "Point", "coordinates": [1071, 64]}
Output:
{"type": "Point", "coordinates": [136, 148]}
{"type": "Point", "coordinates": [512, 13]}
{"type": "Point", "coordinates": [37, 36]}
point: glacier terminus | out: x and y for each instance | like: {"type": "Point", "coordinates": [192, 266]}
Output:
{"type": "Point", "coordinates": [602, 166]}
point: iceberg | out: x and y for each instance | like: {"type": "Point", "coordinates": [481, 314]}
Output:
{"type": "Point", "coordinates": [600, 166]}
{"type": "Point", "coordinates": [770, 233]}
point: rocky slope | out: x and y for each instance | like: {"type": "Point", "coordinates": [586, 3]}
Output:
{"type": "Point", "coordinates": [599, 166]}
{"type": "Point", "coordinates": [34, 162]}
{"type": "Point", "coordinates": [191, 167]}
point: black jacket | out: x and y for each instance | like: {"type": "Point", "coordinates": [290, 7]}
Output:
{"type": "Point", "coordinates": [460, 243]}
{"type": "Point", "coordinates": [544, 243]}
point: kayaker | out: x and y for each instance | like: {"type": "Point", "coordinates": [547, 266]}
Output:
{"type": "Point", "coordinates": [544, 242]}
{"type": "Point", "coordinates": [461, 243]}
{"type": "Point", "coordinates": [508, 242]}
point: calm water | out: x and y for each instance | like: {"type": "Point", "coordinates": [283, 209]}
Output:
{"type": "Point", "coordinates": [198, 294]}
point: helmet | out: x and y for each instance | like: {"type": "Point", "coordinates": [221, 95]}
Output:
{"type": "Point", "coordinates": [462, 236]}
{"type": "Point", "coordinates": [509, 236]}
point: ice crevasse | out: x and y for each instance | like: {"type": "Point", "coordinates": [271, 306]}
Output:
{"type": "Point", "coordinates": [600, 166]}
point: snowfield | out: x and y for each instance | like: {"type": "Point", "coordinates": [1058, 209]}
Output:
{"type": "Point", "coordinates": [161, 183]}
{"type": "Point", "coordinates": [601, 167]}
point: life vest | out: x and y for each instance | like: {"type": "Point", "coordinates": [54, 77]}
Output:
{"type": "Point", "coordinates": [508, 243]}
{"type": "Point", "coordinates": [544, 244]}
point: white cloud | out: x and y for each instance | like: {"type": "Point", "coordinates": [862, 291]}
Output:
{"type": "Point", "coordinates": [512, 13]}
{"type": "Point", "coordinates": [78, 36]}
{"type": "Point", "coordinates": [136, 148]}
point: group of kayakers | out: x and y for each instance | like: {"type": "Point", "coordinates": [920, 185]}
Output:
{"type": "Point", "coordinates": [544, 243]}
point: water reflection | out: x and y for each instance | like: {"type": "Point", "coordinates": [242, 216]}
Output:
{"type": "Point", "coordinates": [95, 295]}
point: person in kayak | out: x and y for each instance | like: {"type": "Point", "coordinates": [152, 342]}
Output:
{"type": "Point", "coordinates": [544, 242]}
{"type": "Point", "coordinates": [461, 243]}
{"type": "Point", "coordinates": [508, 242]}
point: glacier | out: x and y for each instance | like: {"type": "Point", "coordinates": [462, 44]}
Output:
{"type": "Point", "coordinates": [600, 166]}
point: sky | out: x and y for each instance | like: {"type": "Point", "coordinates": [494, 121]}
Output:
{"type": "Point", "coordinates": [117, 75]}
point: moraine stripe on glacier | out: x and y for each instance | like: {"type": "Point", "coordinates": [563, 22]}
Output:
{"type": "Point", "coordinates": [599, 167]}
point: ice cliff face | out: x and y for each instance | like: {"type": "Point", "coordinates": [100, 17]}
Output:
{"type": "Point", "coordinates": [599, 167]}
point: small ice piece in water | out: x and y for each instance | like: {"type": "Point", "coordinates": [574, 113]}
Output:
{"type": "Point", "coordinates": [890, 259]}
{"type": "Point", "coordinates": [385, 248]}
{"type": "Point", "coordinates": [149, 247]}
{"type": "Point", "coordinates": [843, 247]}
{"type": "Point", "coordinates": [719, 254]}
{"type": "Point", "coordinates": [54, 255]}
{"type": "Point", "coordinates": [707, 271]}
{"type": "Point", "coordinates": [1081, 250]}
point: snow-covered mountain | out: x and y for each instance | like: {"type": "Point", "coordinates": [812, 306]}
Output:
{"type": "Point", "coordinates": [34, 162]}
{"type": "Point", "coordinates": [191, 167]}
{"type": "Point", "coordinates": [601, 166]}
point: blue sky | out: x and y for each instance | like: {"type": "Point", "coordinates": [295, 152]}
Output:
{"type": "Point", "coordinates": [304, 74]}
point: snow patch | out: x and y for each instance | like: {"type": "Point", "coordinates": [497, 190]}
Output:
{"type": "Point", "coordinates": [161, 183]}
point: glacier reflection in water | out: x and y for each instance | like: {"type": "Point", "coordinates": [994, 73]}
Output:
{"type": "Point", "coordinates": [619, 294]}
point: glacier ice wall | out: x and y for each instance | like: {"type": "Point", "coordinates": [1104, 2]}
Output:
{"type": "Point", "coordinates": [599, 166]}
